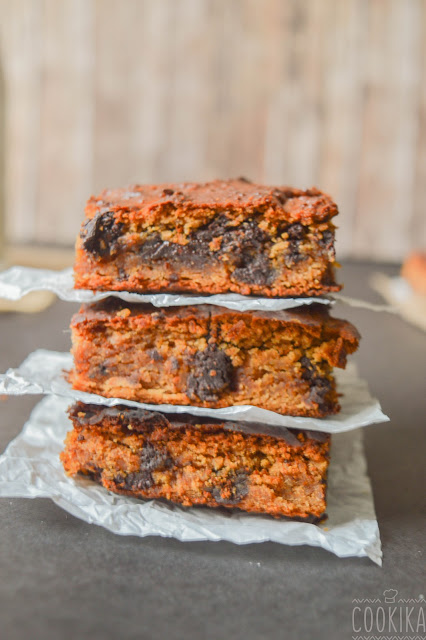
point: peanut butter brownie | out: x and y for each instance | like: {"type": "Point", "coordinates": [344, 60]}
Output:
{"type": "Point", "coordinates": [211, 357]}
{"type": "Point", "coordinates": [215, 237]}
{"type": "Point", "coordinates": [191, 461]}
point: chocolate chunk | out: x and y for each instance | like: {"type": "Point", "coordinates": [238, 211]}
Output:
{"type": "Point", "coordinates": [138, 481]}
{"type": "Point", "coordinates": [154, 248]}
{"type": "Point", "coordinates": [308, 369]}
{"type": "Point", "coordinates": [247, 244]}
{"type": "Point", "coordinates": [243, 245]}
{"type": "Point", "coordinates": [211, 374]}
{"type": "Point", "coordinates": [100, 235]}
{"type": "Point", "coordinates": [319, 385]}
{"type": "Point", "coordinates": [293, 255]}
{"type": "Point", "coordinates": [152, 458]}
{"type": "Point", "coordinates": [327, 240]}
{"type": "Point", "coordinates": [155, 355]}
{"type": "Point", "coordinates": [168, 192]}
{"type": "Point", "coordinates": [232, 490]}
{"type": "Point", "coordinates": [138, 420]}
{"type": "Point", "coordinates": [296, 233]}
{"type": "Point", "coordinates": [257, 271]}
{"type": "Point", "coordinates": [174, 364]}
{"type": "Point", "coordinates": [319, 389]}
{"type": "Point", "coordinates": [94, 472]}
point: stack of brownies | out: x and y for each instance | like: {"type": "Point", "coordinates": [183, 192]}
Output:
{"type": "Point", "coordinates": [219, 237]}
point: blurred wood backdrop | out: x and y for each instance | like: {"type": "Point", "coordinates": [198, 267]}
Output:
{"type": "Point", "coordinates": [326, 92]}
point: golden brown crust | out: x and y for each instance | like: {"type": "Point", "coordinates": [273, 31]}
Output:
{"type": "Point", "coordinates": [211, 357]}
{"type": "Point", "coordinates": [151, 201]}
{"type": "Point", "coordinates": [192, 462]}
{"type": "Point", "coordinates": [217, 237]}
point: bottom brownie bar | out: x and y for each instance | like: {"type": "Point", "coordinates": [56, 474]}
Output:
{"type": "Point", "coordinates": [196, 461]}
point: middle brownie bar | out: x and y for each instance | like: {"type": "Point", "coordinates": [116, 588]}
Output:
{"type": "Point", "coordinates": [211, 357]}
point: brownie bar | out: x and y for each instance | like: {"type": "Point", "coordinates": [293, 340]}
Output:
{"type": "Point", "coordinates": [216, 237]}
{"type": "Point", "coordinates": [211, 356]}
{"type": "Point", "coordinates": [191, 461]}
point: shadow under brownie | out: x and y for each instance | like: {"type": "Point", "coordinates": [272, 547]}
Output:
{"type": "Point", "coordinates": [192, 461]}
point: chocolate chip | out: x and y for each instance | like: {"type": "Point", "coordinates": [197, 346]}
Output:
{"type": "Point", "coordinates": [308, 369]}
{"type": "Point", "coordinates": [168, 192]}
{"type": "Point", "coordinates": [138, 481]}
{"type": "Point", "coordinates": [154, 248]}
{"type": "Point", "coordinates": [94, 472]}
{"type": "Point", "coordinates": [296, 231]}
{"type": "Point", "coordinates": [320, 386]}
{"type": "Point", "coordinates": [243, 179]}
{"type": "Point", "coordinates": [211, 374]}
{"type": "Point", "coordinates": [152, 458]}
{"type": "Point", "coordinates": [155, 355]}
{"type": "Point", "coordinates": [231, 490]}
{"type": "Point", "coordinates": [174, 364]}
{"type": "Point", "coordinates": [319, 389]}
{"type": "Point", "coordinates": [256, 271]}
{"type": "Point", "coordinates": [100, 235]}
{"type": "Point", "coordinates": [327, 240]}
{"type": "Point", "coordinates": [244, 246]}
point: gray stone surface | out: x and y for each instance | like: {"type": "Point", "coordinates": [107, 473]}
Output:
{"type": "Point", "coordinates": [61, 578]}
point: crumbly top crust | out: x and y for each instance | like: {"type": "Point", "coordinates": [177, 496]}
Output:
{"type": "Point", "coordinates": [138, 202]}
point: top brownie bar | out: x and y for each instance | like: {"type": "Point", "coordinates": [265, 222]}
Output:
{"type": "Point", "coordinates": [214, 237]}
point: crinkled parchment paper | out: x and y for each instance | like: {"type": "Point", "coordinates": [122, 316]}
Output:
{"type": "Point", "coordinates": [43, 372]}
{"type": "Point", "coordinates": [30, 467]}
{"type": "Point", "coordinates": [17, 282]}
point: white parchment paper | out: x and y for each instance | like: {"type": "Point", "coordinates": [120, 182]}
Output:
{"type": "Point", "coordinates": [43, 372]}
{"type": "Point", "coordinates": [30, 468]}
{"type": "Point", "coordinates": [17, 282]}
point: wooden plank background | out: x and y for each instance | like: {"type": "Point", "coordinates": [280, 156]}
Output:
{"type": "Point", "coordinates": [326, 92]}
